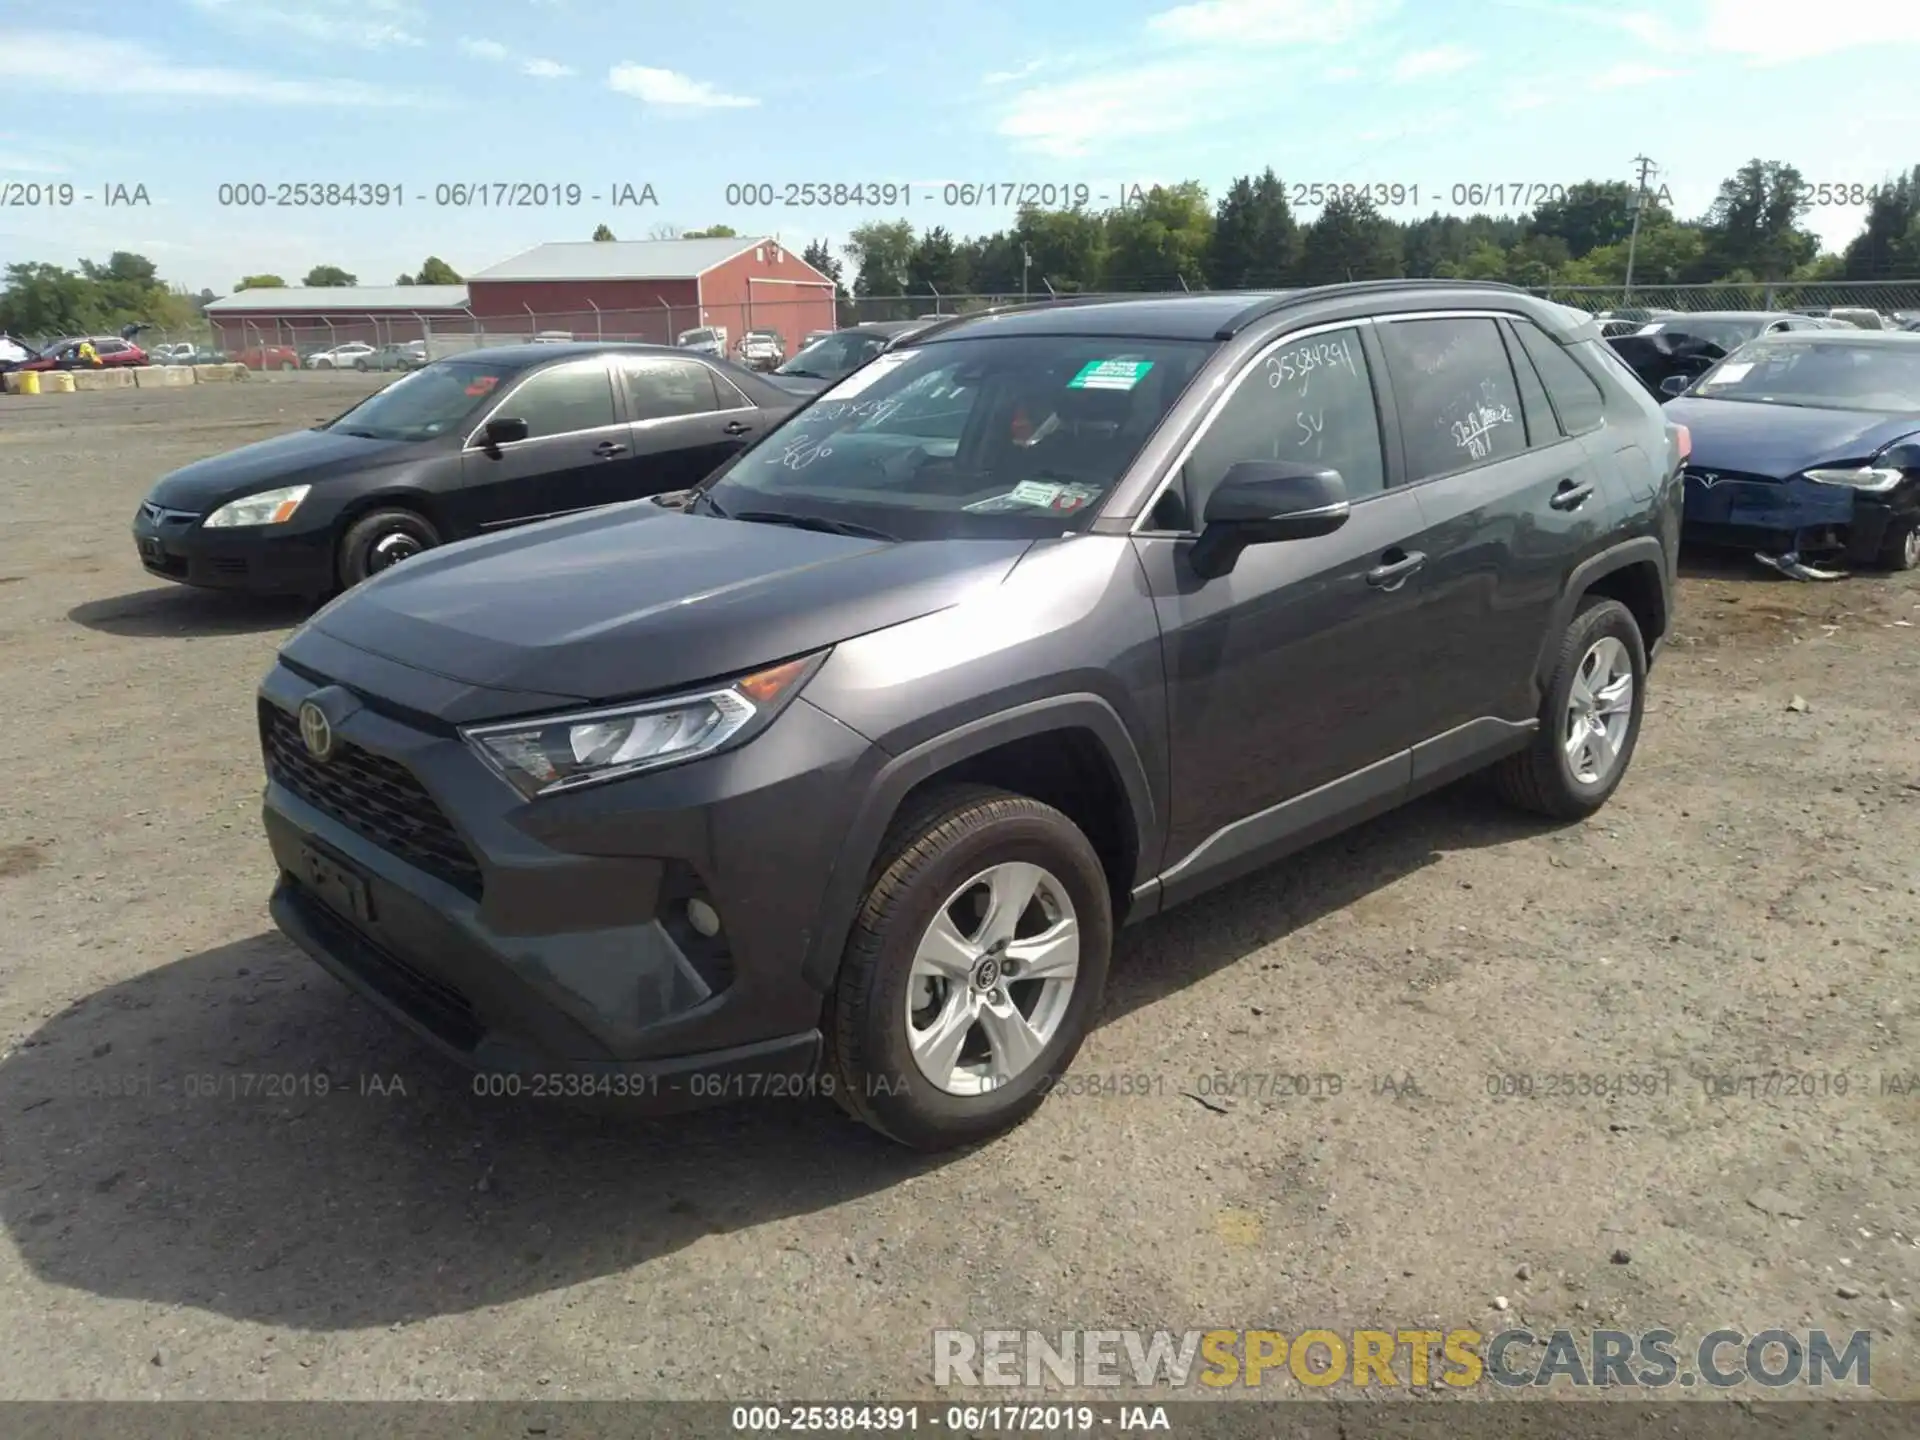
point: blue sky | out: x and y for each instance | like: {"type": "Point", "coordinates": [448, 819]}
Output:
{"type": "Point", "coordinates": [182, 96]}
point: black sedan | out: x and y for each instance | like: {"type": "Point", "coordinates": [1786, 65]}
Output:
{"type": "Point", "coordinates": [1807, 445]}
{"type": "Point", "coordinates": [841, 353]}
{"type": "Point", "coordinates": [460, 448]}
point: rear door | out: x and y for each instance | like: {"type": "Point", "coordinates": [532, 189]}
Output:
{"type": "Point", "coordinates": [577, 436]}
{"type": "Point", "coordinates": [1508, 499]}
{"type": "Point", "coordinates": [1298, 670]}
{"type": "Point", "coordinates": [688, 420]}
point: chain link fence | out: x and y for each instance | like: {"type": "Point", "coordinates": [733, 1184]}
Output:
{"type": "Point", "coordinates": [289, 342]}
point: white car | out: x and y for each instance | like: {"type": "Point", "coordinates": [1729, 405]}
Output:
{"type": "Point", "coordinates": [340, 357]}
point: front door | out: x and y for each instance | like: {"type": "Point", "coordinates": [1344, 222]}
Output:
{"type": "Point", "coordinates": [688, 420]}
{"type": "Point", "coordinates": [576, 438]}
{"type": "Point", "coordinates": [1297, 672]}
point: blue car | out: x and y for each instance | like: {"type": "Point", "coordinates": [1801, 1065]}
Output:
{"type": "Point", "coordinates": [1807, 445]}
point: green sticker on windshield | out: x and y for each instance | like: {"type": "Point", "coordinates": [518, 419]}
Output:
{"type": "Point", "coordinates": [1110, 375]}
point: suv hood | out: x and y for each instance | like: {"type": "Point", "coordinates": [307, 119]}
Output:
{"type": "Point", "coordinates": [1753, 438]}
{"type": "Point", "coordinates": [300, 458]}
{"type": "Point", "coordinates": [637, 600]}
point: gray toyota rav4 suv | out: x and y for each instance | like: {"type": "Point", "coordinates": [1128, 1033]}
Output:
{"type": "Point", "coordinates": [836, 774]}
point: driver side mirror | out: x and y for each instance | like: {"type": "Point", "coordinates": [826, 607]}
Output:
{"type": "Point", "coordinates": [502, 431]}
{"type": "Point", "coordinates": [1676, 384]}
{"type": "Point", "coordinates": [1259, 502]}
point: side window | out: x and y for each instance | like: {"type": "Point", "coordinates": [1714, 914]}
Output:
{"type": "Point", "coordinates": [111, 347]}
{"type": "Point", "coordinates": [1458, 401]}
{"type": "Point", "coordinates": [564, 399]}
{"type": "Point", "coordinates": [728, 394]}
{"type": "Point", "coordinates": [1312, 401]}
{"type": "Point", "coordinates": [1542, 427]}
{"type": "Point", "coordinates": [1575, 393]}
{"type": "Point", "coordinates": [666, 389]}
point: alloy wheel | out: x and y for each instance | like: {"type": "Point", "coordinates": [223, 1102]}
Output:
{"type": "Point", "coordinates": [1910, 548]}
{"type": "Point", "coordinates": [390, 550]}
{"type": "Point", "coordinates": [1599, 710]}
{"type": "Point", "coordinates": [992, 978]}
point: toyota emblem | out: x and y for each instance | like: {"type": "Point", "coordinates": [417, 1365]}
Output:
{"type": "Point", "coordinates": [316, 730]}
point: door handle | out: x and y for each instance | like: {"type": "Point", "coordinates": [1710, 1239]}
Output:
{"type": "Point", "coordinates": [607, 449]}
{"type": "Point", "coordinates": [1393, 573]}
{"type": "Point", "coordinates": [1570, 496]}
{"type": "Point", "coordinates": [734, 427]}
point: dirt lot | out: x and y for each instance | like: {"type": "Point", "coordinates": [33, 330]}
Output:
{"type": "Point", "coordinates": [1737, 910]}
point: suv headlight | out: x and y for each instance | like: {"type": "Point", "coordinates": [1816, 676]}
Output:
{"type": "Point", "coordinates": [1875, 479]}
{"type": "Point", "coordinates": [269, 507]}
{"type": "Point", "coordinates": [562, 752]}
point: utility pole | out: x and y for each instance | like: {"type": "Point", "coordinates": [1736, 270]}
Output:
{"type": "Point", "coordinates": [1639, 204]}
{"type": "Point", "coordinates": [1026, 263]}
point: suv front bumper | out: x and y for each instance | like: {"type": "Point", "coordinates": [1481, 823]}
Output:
{"type": "Point", "coordinates": [548, 945]}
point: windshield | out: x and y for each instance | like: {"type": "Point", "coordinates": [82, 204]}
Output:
{"type": "Point", "coordinates": [1727, 334]}
{"type": "Point", "coordinates": [839, 354]}
{"type": "Point", "coordinates": [422, 404]}
{"type": "Point", "coordinates": [1823, 375]}
{"type": "Point", "coordinates": [1009, 436]}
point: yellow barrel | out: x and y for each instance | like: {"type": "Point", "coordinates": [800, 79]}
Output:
{"type": "Point", "coordinates": [29, 382]}
{"type": "Point", "coordinates": [58, 382]}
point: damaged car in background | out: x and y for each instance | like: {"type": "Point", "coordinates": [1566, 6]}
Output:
{"type": "Point", "coordinates": [1806, 451]}
{"type": "Point", "coordinates": [1672, 351]}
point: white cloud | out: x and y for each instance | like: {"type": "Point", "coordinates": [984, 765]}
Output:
{"type": "Point", "coordinates": [1007, 77]}
{"type": "Point", "coordinates": [29, 165]}
{"type": "Point", "coordinates": [363, 24]}
{"type": "Point", "coordinates": [1343, 72]}
{"type": "Point", "coordinates": [1074, 118]}
{"type": "Point", "coordinates": [483, 49]}
{"type": "Point", "coordinates": [1270, 22]}
{"type": "Point", "coordinates": [1442, 60]}
{"type": "Point", "coordinates": [495, 52]}
{"type": "Point", "coordinates": [546, 69]}
{"type": "Point", "coordinates": [1633, 72]}
{"type": "Point", "coordinates": [91, 65]}
{"type": "Point", "coordinates": [671, 90]}
{"type": "Point", "coordinates": [1769, 32]}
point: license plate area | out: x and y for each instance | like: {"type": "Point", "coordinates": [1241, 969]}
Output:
{"type": "Point", "coordinates": [336, 883]}
{"type": "Point", "coordinates": [151, 550]}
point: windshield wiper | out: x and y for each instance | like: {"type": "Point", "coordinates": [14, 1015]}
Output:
{"type": "Point", "coordinates": [804, 374]}
{"type": "Point", "coordinates": [814, 522]}
{"type": "Point", "coordinates": [360, 434]}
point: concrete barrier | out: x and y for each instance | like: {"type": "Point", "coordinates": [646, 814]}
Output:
{"type": "Point", "coordinates": [56, 382]}
{"type": "Point", "coordinates": [204, 373]}
{"type": "Point", "coordinates": [151, 377]}
{"type": "Point", "coordinates": [14, 380]}
{"type": "Point", "coordinates": [120, 379]}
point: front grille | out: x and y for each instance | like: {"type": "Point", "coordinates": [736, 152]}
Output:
{"type": "Point", "coordinates": [1702, 475]}
{"type": "Point", "coordinates": [161, 515]}
{"type": "Point", "coordinates": [441, 1008]}
{"type": "Point", "coordinates": [377, 798]}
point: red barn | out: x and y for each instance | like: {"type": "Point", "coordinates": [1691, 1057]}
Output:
{"type": "Point", "coordinates": [653, 290]}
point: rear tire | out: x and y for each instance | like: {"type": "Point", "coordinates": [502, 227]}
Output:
{"type": "Point", "coordinates": [1589, 720]}
{"type": "Point", "coordinates": [381, 540]}
{"type": "Point", "coordinates": [942, 870]}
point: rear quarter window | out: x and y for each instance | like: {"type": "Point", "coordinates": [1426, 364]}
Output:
{"type": "Point", "coordinates": [1576, 395]}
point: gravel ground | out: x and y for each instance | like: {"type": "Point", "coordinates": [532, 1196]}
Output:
{"type": "Point", "coordinates": [1736, 910]}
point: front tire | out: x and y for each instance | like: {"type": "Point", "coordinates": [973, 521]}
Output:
{"type": "Point", "coordinates": [974, 970]}
{"type": "Point", "coordinates": [381, 540]}
{"type": "Point", "coordinates": [1901, 548]}
{"type": "Point", "coordinates": [1589, 721]}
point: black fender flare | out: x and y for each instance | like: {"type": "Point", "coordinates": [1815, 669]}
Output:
{"type": "Point", "coordinates": [1640, 550]}
{"type": "Point", "coordinates": [847, 884]}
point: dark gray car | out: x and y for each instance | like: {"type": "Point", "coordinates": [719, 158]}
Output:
{"type": "Point", "coordinates": [838, 778]}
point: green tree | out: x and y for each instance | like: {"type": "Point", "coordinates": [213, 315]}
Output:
{"type": "Point", "coordinates": [712, 232]}
{"type": "Point", "coordinates": [435, 271]}
{"type": "Point", "coordinates": [820, 256]}
{"type": "Point", "coordinates": [1876, 253]}
{"type": "Point", "coordinates": [1348, 240]}
{"type": "Point", "coordinates": [1160, 241]}
{"type": "Point", "coordinates": [601, 232]}
{"type": "Point", "coordinates": [1256, 240]}
{"type": "Point", "coordinates": [329, 276]}
{"type": "Point", "coordinates": [1754, 222]}
{"type": "Point", "coordinates": [260, 282]}
{"type": "Point", "coordinates": [1066, 249]}
{"type": "Point", "coordinates": [881, 252]}
{"type": "Point", "coordinates": [993, 263]}
{"type": "Point", "coordinates": [936, 266]}
{"type": "Point", "coordinates": [1595, 213]}
{"type": "Point", "coordinates": [46, 300]}
{"type": "Point", "coordinates": [1537, 260]}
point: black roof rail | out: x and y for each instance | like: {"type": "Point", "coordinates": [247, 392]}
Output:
{"type": "Point", "coordinates": [1055, 302]}
{"type": "Point", "coordinates": [1285, 299]}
